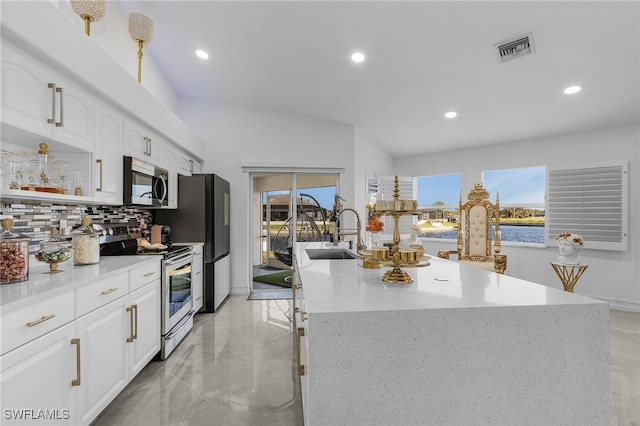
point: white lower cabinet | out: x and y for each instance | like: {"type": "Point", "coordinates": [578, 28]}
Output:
{"type": "Point", "coordinates": [104, 359]}
{"type": "Point", "coordinates": [146, 343]}
{"type": "Point", "coordinates": [117, 341]}
{"type": "Point", "coordinates": [36, 380]}
{"type": "Point", "coordinates": [70, 374]}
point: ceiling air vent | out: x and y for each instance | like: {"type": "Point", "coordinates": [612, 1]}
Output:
{"type": "Point", "coordinates": [515, 48]}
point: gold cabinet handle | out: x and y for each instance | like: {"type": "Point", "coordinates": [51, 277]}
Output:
{"type": "Point", "coordinates": [149, 274]}
{"type": "Point", "coordinates": [52, 86]}
{"type": "Point", "coordinates": [99, 163]}
{"type": "Point", "coordinates": [59, 123]}
{"type": "Point", "coordinates": [130, 310]}
{"type": "Point", "coordinates": [76, 381]}
{"type": "Point", "coordinates": [111, 290]}
{"type": "Point", "coordinates": [135, 330]}
{"type": "Point", "coordinates": [41, 320]}
{"type": "Point", "coordinates": [301, 367]}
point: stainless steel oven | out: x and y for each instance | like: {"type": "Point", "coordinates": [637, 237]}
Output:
{"type": "Point", "coordinates": [177, 301]}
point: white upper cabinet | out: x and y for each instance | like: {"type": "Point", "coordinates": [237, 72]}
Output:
{"type": "Point", "coordinates": [39, 101]}
{"type": "Point", "coordinates": [107, 154]}
{"type": "Point", "coordinates": [141, 143]}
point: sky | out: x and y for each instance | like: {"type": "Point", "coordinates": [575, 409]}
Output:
{"type": "Point", "coordinates": [515, 186]}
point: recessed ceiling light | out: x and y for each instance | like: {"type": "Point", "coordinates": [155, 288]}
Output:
{"type": "Point", "coordinates": [451, 114]}
{"type": "Point", "coordinates": [357, 57]}
{"type": "Point", "coordinates": [571, 90]}
{"type": "Point", "coordinates": [202, 54]}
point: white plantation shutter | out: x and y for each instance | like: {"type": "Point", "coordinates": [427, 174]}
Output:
{"type": "Point", "coordinates": [406, 187]}
{"type": "Point", "coordinates": [589, 200]}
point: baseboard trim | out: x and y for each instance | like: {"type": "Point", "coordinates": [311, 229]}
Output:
{"type": "Point", "coordinates": [619, 305]}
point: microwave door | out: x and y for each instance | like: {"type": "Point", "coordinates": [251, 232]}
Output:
{"type": "Point", "coordinates": [141, 192]}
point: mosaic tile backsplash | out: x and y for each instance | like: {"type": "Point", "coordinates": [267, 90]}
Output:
{"type": "Point", "coordinates": [36, 220]}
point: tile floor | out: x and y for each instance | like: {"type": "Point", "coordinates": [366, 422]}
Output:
{"type": "Point", "coordinates": [237, 367]}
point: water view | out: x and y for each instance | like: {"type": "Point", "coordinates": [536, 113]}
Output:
{"type": "Point", "coordinates": [523, 234]}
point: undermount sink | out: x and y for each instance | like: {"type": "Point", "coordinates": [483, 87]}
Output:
{"type": "Point", "coordinates": [315, 254]}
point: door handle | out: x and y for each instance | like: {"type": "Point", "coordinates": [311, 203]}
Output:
{"type": "Point", "coordinates": [99, 163]}
{"type": "Point", "coordinates": [52, 86]}
{"type": "Point", "coordinates": [76, 381]}
{"type": "Point", "coordinates": [60, 124]}
{"type": "Point", "coordinates": [135, 331]}
{"type": "Point", "coordinates": [301, 367]}
{"type": "Point", "coordinates": [130, 310]}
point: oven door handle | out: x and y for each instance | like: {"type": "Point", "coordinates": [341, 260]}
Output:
{"type": "Point", "coordinates": [185, 322]}
{"type": "Point", "coordinates": [180, 259]}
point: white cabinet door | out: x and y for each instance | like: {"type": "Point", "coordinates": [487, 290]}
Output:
{"type": "Point", "coordinates": [38, 376]}
{"type": "Point", "coordinates": [108, 153]}
{"type": "Point", "coordinates": [146, 304]}
{"type": "Point", "coordinates": [73, 117]}
{"type": "Point", "coordinates": [26, 99]}
{"type": "Point", "coordinates": [141, 143]}
{"type": "Point", "coordinates": [39, 101]}
{"type": "Point", "coordinates": [105, 356]}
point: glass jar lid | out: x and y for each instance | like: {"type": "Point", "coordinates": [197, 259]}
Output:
{"type": "Point", "coordinates": [9, 235]}
{"type": "Point", "coordinates": [85, 228]}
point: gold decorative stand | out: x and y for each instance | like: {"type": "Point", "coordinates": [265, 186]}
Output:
{"type": "Point", "coordinates": [397, 209]}
{"type": "Point", "coordinates": [569, 274]}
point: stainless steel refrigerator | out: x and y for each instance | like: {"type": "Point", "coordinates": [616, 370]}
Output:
{"type": "Point", "coordinates": [203, 215]}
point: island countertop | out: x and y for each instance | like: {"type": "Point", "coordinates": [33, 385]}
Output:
{"type": "Point", "coordinates": [345, 286]}
{"type": "Point", "coordinates": [42, 285]}
{"type": "Point", "coordinates": [459, 345]}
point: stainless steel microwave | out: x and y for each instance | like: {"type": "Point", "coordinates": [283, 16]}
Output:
{"type": "Point", "coordinates": [145, 184]}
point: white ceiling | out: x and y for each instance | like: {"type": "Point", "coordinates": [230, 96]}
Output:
{"type": "Point", "coordinates": [423, 58]}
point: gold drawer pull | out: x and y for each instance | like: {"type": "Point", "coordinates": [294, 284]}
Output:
{"type": "Point", "coordinates": [111, 290]}
{"type": "Point", "coordinates": [149, 274]}
{"type": "Point", "coordinates": [41, 320]}
{"type": "Point", "coordinates": [76, 382]}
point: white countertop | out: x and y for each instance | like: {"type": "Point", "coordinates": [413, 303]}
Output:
{"type": "Point", "coordinates": [345, 286]}
{"type": "Point", "coordinates": [42, 284]}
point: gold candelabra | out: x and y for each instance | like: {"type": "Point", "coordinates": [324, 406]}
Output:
{"type": "Point", "coordinates": [140, 30]}
{"type": "Point", "coordinates": [89, 10]}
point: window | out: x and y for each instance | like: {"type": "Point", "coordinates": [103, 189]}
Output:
{"type": "Point", "coordinates": [381, 187]}
{"type": "Point", "coordinates": [590, 200]}
{"type": "Point", "coordinates": [438, 200]}
{"type": "Point", "coordinates": [522, 202]}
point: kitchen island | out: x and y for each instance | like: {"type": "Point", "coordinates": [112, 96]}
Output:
{"type": "Point", "coordinates": [459, 345]}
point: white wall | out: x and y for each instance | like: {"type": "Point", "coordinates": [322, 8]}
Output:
{"type": "Point", "coordinates": [612, 275]}
{"type": "Point", "coordinates": [236, 136]}
{"type": "Point", "coordinates": [111, 34]}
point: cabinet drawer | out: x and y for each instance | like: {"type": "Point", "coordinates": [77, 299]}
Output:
{"type": "Point", "coordinates": [196, 270]}
{"type": "Point", "coordinates": [28, 323]}
{"type": "Point", "coordinates": [198, 296]}
{"type": "Point", "coordinates": [94, 295]}
{"type": "Point", "coordinates": [144, 274]}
